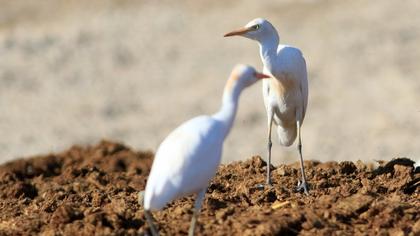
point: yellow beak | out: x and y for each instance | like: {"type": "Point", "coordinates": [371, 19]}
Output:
{"type": "Point", "coordinates": [240, 31]}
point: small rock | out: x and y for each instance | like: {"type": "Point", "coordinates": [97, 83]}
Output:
{"type": "Point", "coordinates": [354, 204]}
{"type": "Point", "coordinates": [283, 170]}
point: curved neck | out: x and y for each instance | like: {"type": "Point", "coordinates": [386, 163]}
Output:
{"type": "Point", "coordinates": [268, 48]}
{"type": "Point", "coordinates": [227, 112]}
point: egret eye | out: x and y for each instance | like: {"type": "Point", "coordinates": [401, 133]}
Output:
{"type": "Point", "coordinates": [255, 27]}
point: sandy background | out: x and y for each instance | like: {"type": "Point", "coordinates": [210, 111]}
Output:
{"type": "Point", "coordinates": [73, 72]}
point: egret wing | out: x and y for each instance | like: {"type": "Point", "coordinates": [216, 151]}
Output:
{"type": "Point", "coordinates": [185, 161]}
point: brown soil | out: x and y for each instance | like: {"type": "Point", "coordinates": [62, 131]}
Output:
{"type": "Point", "coordinates": [93, 190]}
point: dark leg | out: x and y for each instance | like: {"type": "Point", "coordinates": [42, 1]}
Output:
{"type": "Point", "coordinates": [149, 219]}
{"type": "Point", "coordinates": [269, 145]}
{"type": "Point", "coordinates": [302, 185]}
{"type": "Point", "coordinates": [197, 209]}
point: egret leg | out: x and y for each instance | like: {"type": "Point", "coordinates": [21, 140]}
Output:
{"type": "Point", "coordinates": [269, 145]}
{"type": "Point", "coordinates": [149, 219]}
{"type": "Point", "coordinates": [302, 185]}
{"type": "Point", "coordinates": [197, 209]}
{"type": "Point", "coordinates": [140, 198]}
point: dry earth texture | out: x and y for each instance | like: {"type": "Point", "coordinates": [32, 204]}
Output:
{"type": "Point", "coordinates": [93, 190]}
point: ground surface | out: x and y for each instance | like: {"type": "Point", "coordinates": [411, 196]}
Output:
{"type": "Point", "coordinates": [74, 72]}
{"type": "Point", "coordinates": [93, 190]}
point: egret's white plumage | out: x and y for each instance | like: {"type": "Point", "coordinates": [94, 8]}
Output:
{"type": "Point", "coordinates": [188, 158]}
{"type": "Point", "coordinates": [286, 93]}
{"type": "Point", "coordinates": [185, 161]}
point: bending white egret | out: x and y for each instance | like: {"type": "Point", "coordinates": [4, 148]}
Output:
{"type": "Point", "coordinates": [188, 158]}
{"type": "Point", "coordinates": [286, 93]}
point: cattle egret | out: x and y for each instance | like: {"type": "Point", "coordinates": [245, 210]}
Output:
{"type": "Point", "coordinates": [188, 158]}
{"type": "Point", "coordinates": [286, 93]}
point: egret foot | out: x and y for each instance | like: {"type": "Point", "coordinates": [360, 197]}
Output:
{"type": "Point", "coordinates": [263, 185]}
{"type": "Point", "coordinates": [259, 186]}
{"type": "Point", "coordinates": [303, 186]}
{"type": "Point", "coordinates": [268, 184]}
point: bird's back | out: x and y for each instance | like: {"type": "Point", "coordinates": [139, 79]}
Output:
{"type": "Point", "coordinates": [290, 60]}
{"type": "Point", "coordinates": [185, 161]}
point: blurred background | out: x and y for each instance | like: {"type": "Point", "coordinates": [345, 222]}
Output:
{"type": "Point", "coordinates": [74, 72]}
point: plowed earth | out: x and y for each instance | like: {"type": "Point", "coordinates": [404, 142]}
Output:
{"type": "Point", "coordinates": [93, 191]}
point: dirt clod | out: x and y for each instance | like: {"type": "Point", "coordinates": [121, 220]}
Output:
{"type": "Point", "coordinates": [347, 167]}
{"type": "Point", "coordinates": [93, 190]}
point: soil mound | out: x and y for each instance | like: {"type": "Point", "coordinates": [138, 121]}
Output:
{"type": "Point", "coordinates": [93, 190]}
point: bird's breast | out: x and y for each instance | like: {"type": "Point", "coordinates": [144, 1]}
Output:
{"type": "Point", "coordinates": [283, 85]}
{"type": "Point", "coordinates": [283, 97]}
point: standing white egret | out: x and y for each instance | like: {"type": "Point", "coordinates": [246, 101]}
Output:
{"type": "Point", "coordinates": [286, 93]}
{"type": "Point", "coordinates": [188, 158]}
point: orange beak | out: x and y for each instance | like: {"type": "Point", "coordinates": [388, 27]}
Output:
{"type": "Point", "coordinates": [240, 31]}
{"type": "Point", "coordinates": [261, 75]}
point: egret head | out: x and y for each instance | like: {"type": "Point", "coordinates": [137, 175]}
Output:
{"type": "Point", "coordinates": [258, 29]}
{"type": "Point", "coordinates": [246, 75]}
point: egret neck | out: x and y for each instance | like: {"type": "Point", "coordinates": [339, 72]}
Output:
{"type": "Point", "coordinates": [268, 49]}
{"type": "Point", "coordinates": [227, 112]}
